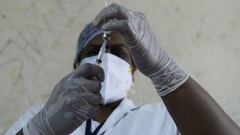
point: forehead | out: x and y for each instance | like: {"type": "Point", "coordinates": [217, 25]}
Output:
{"type": "Point", "coordinates": [116, 38]}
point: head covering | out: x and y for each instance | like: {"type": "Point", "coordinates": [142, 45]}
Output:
{"type": "Point", "coordinates": [88, 33]}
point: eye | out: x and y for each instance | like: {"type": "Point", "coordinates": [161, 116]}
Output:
{"type": "Point", "coordinates": [122, 52]}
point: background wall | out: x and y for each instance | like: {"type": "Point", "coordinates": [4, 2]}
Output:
{"type": "Point", "coordinates": [38, 39]}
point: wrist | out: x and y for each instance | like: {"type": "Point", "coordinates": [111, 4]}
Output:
{"type": "Point", "coordinates": [39, 125]}
{"type": "Point", "coordinates": [168, 78]}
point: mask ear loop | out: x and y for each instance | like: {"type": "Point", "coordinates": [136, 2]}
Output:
{"type": "Point", "coordinates": [132, 90]}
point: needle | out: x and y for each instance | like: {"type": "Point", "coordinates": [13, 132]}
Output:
{"type": "Point", "coordinates": [105, 2]}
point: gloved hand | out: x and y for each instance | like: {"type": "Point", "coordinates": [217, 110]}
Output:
{"type": "Point", "coordinates": [147, 54]}
{"type": "Point", "coordinates": [74, 100]}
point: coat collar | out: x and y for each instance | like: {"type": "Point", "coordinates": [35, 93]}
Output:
{"type": "Point", "coordinates": [124, 107]}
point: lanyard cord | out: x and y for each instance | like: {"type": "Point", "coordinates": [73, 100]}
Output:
{"type": "Point", "coordinates": [88, 128]}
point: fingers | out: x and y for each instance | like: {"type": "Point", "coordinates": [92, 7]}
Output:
{"type": "Point", "coordinates": [87, 90]}
{"type": "Point", "coordinates": [90, 71]}
{"type": "Point", "coordinates": [93, 86]}
{"type": "Point", "coordinates": [116, 25]}
{"type": "Point", "coordinates": [114, 11]}
{"type": "Point", "coordinates": [90, 98]}
{"type": "Point", "coordinates": [121, 26]}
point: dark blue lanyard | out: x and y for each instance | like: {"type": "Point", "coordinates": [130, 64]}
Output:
{"type": "Point", "coordinates": [88, 128]}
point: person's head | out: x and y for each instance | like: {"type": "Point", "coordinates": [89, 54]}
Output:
{"type": "Point", "coordinates": [117, 63]}
{"type": "Point", "coordinates": [89, 45]}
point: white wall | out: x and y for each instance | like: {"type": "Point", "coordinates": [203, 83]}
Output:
{"type": "Point", "coordinates": [38, 39]}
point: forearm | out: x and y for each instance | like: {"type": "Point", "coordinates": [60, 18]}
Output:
{"type": "Point", "coordinates": [193, 110]}
{"type": "Point", "coordinates": [196, 113]}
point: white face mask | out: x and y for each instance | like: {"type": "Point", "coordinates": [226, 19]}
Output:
{"type": "Point", "coordinates": [118, 77]}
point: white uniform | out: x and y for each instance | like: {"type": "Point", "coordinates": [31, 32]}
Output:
{"type": "Point", "coordinates": [126, 119]}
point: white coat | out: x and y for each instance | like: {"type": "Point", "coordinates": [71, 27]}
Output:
{"type": "Point", "coordinates": [126, 119]}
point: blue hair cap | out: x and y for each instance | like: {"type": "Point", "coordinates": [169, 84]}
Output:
{"type": "Point", "coordinates": [88, 33]}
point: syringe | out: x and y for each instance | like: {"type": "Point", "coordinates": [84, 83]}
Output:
{"type": "Point", "coordinates": [106, 37]}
